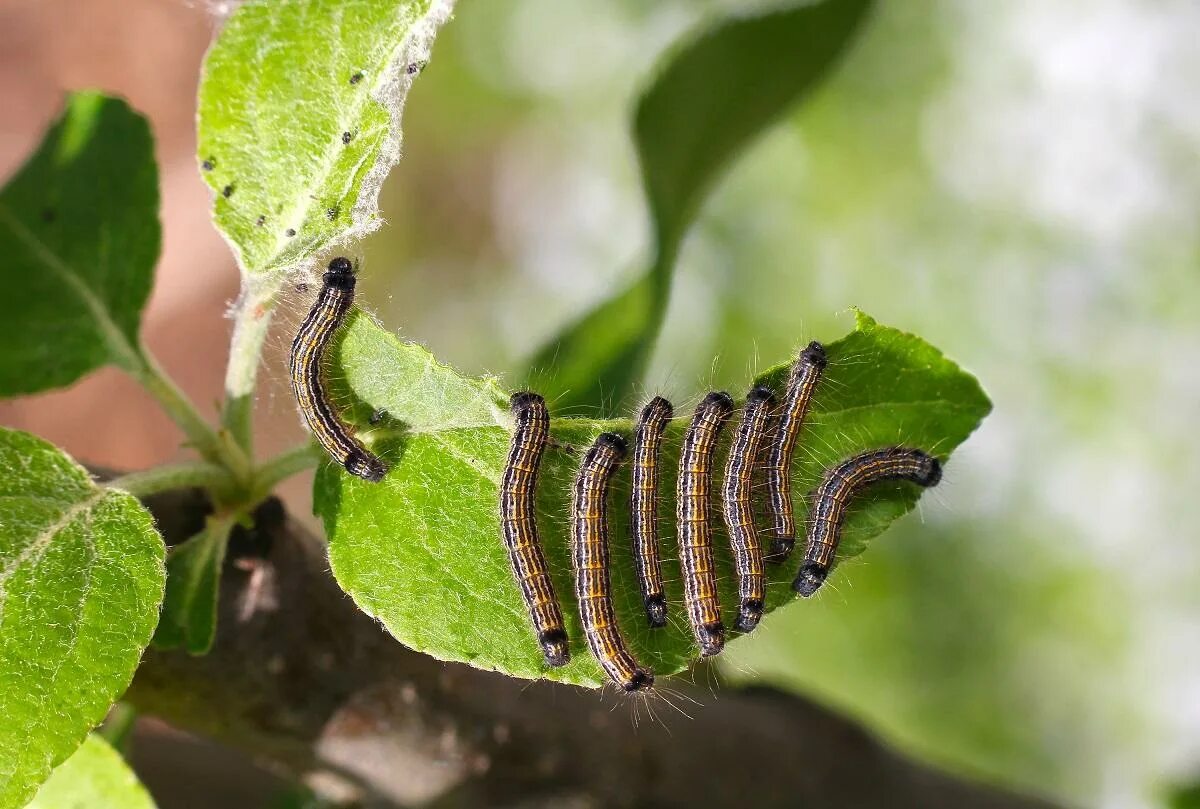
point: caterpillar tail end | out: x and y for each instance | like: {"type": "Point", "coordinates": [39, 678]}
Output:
{"type": "Point", "coordinates": [809, 579]}
{"type": "Point", "coordinates": [641, 680]}
{"type": "Point", "coordinates": [554, 647]}
{"type": "Point", "coordinates": [749, 614]}
{"type": "Point", "coordinates": [781, 549]}
{"type": "Point", "coordinates": [656, 611]}
{"type": "Point", "coordinates": [711, 638]}
{"type": "Point", "coordinates": [365, 466]}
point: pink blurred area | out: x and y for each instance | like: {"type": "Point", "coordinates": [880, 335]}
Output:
{"type": "Point", "coordinates": [149, 52]}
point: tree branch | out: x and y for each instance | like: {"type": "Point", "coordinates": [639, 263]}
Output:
{"type": "Point", "coordinates": [302, 679]}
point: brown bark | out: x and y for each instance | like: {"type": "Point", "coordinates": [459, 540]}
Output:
{"type": "Point", "coordinates": [301, 679]}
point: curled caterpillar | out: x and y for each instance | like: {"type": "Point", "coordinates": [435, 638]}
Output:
{"type": "Point", "coordinates": [833, 496]}
{"type": "Point", "coordinates": [307, 364]}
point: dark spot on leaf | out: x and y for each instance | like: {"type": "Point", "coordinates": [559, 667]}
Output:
{"type": "Point", "coordinates": [347, 137]}
{"type": "Point", "coordinates": [209, 164]}
{"type": "Point", "coordinates": [302, 287]}
{"type": "Point", "coordinates": [356, 78]}
{"type": "Point", "coordinates": [378, 416]}
{"type": "Point", "coordinates": [415, 67]}
{"type": "Point", "coordinates": [333, 212]}
{"type": "Point", "coordinates": [262, 219]}
{"type": "Point", "coordinates": [290, 232]}
{"type": "Point", "coordinates": [227, 191]}
{"type": "Point", "coordinates": [49, 215]}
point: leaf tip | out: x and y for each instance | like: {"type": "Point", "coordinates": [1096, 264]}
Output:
{"type": "Point", "coordinates": [863, 321]}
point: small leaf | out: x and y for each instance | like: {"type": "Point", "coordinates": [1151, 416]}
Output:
{"type": "Point", "coordinates": [421, 550]}
{"type": "Point", "coordinates": [189, 613]}
{"type": "Point", "coordinates": [721, 90]}
{"type": "Point", "coordinates": [95, 777]}
{"type": "Point", "coordinates": [81, 578]}
{"type": "Point", "coordinates": [79, 233]}
{"type": "Point", "coordinates": [713, 96]}
{"type": "Point", "coordinates": [299, 114]}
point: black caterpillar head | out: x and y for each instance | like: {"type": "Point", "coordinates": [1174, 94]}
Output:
{"type": "Point", "coordinates": [340, 274]}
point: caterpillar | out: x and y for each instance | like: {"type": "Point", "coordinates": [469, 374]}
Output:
{"type": "Point", "coordinates": [738, 509]}
{"type": "Point", "coordinates": [519, 526]}
{"type": "Point", "coordinates": [838, 487]}
{"type": "Point", "coordinates": [694, 533]}
{"type": "Point", "coordinates": [307, 373]}
{"type": "Point", "coordinates": [802, 382]}
{"type": "Point", "coordinates": [643, 507]}
{"type": "Point", "coordinates": [589, 548]}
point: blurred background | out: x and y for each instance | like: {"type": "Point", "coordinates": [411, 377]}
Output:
{"type": "Point", "coordinates": [1017, 182]}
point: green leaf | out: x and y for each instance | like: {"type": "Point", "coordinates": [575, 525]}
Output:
{"type": "Point", "coordinates": [81, 578]}
{"type": "Point", "coordinates": [189, 613]}
{"type": "Point", "coordinates": [300, 104]}
{"type": "Point", "coordinates": [79, 233]}
{"type": "Point", "coordinates": [299, 120]}
{"type": "Point", "coordinates": [718, 92]}
{"type": "Point", "coordinates": [1185, 796]}
{"type": "Point", "coordinates": [421, 550]}
{"type": "Point", "coordinates": [95, 777]}
{"type": "Point", "coordinates": [712, 97]}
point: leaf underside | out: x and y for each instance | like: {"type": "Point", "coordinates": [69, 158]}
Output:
{"type": "Point", "coordinates": [296, 107]}
{"type": "Point", "coordinates": [421, 550]}
{"type": "Point", "coordinates": [81, 579]}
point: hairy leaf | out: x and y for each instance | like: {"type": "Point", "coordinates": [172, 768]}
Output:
{"type": "Point", "coordinates": [79, 233]}
{"type": "Point", "coordinates": [189, 613]}
{"type": "Point", "coordinates": [299, 120]}
{"type": "Point", "coordinates": [96, 777]}
{"type": "Point", "coordinates": [422, 552]}
{"type": "Point", "coordinates": [712, 97]}
{"type": "Point", "coordinates": [81, 579]}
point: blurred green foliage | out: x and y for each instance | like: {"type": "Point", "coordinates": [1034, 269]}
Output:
{"type": "Point", "coordinates": [709, 99]}
{"type": "Point", "coordinates": [1184, 797]}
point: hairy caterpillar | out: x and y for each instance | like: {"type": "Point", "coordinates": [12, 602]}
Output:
{"type": "Point", "coordinates": [802, 382]}
{"type": "Point", "coordinates": [738, 508]}
{"type": "Point", "coordinates": [307, 373]}
{"type": "Point", "coordinates": [832, 497]}
{"type": "Point", "coordinates": [693, 529]}
{"type": "Point", "coordinates": [643, 507]}
{"type": "Point", "coordinates": [519, 526]}
{"type": "Point", "coordinates": [589, 548]}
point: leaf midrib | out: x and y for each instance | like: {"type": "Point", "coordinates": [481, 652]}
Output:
{"type": "Point", "coordinates": [121, 349]}
{"type": "Point", "coordinates": [41, 541]}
